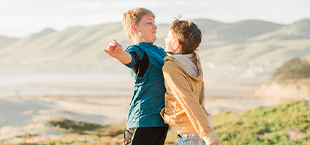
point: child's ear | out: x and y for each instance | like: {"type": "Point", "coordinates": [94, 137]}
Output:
{"type": "Point", "coordinates": [133, 27]}
{"type": "Point", "coordinates": [178, 45]}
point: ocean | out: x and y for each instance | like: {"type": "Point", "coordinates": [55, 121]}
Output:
{"type": "Point", "coordinates": [25, 82]}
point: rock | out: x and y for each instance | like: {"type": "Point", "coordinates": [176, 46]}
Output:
{"type": "Point", "coordinates": [296, 134]}
{"type": "Point", "coordinates": [282, 92]}
{"type": "Point", "coordinates": [260, 136]}
{"type": "Point", "coordinates": [308, 102]}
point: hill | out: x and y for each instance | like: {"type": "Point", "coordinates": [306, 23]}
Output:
{"type": "Point", "coordinates": [6, 41]}
{"type": "Point", "coordinates": [241, 43]}
{"type": "Point", "coordinates": [289, 82]}
{"type": "Point", "coordinates": [240, 31]}
{"type": "Point", "coordinates": [74, 43]}
{"type": "Point", "coordinates": [297, 30]}
{"type": "Point", "coordinates": [264, 125]}
{"type": "Point", "coordinates": [273, 47]}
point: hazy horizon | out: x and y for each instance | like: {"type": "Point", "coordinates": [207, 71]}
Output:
{"type": "Point", "coordinates": [23, 18]}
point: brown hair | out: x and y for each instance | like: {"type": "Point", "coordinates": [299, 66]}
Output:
{"type": "Point", "coordinates": [134, 16]}
{"type": "Point", "coordinates": [187, 33]}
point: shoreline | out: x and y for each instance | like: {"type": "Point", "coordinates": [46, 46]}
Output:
{"type": "Point", "coordinates": [28, 114]}
{"type": "Point", "coordinates": [29, 108]}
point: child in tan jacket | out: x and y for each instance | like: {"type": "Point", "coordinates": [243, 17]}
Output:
{"type": "Point", "coordinates": [184, 109]}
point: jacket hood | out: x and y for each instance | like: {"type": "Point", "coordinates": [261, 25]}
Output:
{"type": "Point", "coordinates": [189, 62]}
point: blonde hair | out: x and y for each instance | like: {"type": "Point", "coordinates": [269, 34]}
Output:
{"type": "Point", "coordinates": [187, 33]}
{"type": "Point", "coordinates": [134, 16]}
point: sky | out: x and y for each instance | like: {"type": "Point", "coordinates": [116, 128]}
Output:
{"type": "Point", "coordinates": [21, 18]}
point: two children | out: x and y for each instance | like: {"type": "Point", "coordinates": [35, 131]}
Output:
{"type": "Point", "coordinates": [185, 95]}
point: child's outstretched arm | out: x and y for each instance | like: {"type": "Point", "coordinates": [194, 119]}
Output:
{"type": "Point", "coordinates": [115, 50]}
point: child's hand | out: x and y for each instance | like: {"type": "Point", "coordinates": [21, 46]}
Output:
{"type": "Point", "coordinates": [114, 49]}
{"type": "Point", "coordinates": [216, 143]}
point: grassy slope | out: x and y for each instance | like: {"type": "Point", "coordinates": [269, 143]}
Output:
{"type": "Point", "coordinates": [269, 123]}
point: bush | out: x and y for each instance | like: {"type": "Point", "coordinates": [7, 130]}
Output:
{"type": "Point", "coordinates": [295, 68]}
{"type": "Point", "coordinates": [263, 125]}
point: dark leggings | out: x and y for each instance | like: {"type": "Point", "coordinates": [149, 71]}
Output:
{"type": "Point", "coordinates": [145, 136]}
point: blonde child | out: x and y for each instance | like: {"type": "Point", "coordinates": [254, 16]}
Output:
{"type": "Point", "coordinates": [144, 60]}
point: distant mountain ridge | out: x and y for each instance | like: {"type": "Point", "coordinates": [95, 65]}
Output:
{"type": "Point", "coordinates": [5, 41]}
{"type": "Point", "coordinates": [241, 31]}
{"type": "Point", "coordinates": [297, 30]}
{"type": "Point", "coordinates": [249, 41]}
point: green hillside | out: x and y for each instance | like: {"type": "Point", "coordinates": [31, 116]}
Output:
{"type": "Point", "coordinates": [264, 125]}
{"type": "Point", "coordinates": [295, 68]}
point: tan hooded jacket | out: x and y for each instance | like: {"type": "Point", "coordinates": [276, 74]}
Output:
{"type": "Point", "coordinates": [184, 103]}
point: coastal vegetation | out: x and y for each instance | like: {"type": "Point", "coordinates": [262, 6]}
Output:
{"type": "Point", "coordinates": [264, 125]}
{"type": "Point", "coordinates": [290, 82]}
{"type": "Point", "coordinates": [295, 68]}
{"type": "Point", "coordinates": [259, 126]}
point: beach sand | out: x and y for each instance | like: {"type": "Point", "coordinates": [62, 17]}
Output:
{"type": "Point", "coordinates": [26, 114]}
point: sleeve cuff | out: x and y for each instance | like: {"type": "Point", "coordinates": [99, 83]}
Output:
{"type": "Point", "coordinates": [132, 63]}
{"type": "Point", "coordinates": [210, 138]}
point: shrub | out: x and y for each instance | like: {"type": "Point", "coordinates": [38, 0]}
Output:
{"type": "Point", "coordinates": [295, 68]}
{"type": "Point", "coordinates": [263, 125]}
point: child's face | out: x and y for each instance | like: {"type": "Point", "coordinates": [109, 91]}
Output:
{"type": "Point", "coordinates": [147, 29]}
{"type": "Point", "coordinates": [170, 43]}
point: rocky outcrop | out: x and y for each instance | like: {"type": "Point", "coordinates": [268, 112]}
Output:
{"type": "Point", "coordinates": [283, 92]}
{"type": "Point", "coordinates": [296, 134]}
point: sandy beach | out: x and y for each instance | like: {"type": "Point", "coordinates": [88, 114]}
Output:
{"type": "Point", "coordinates": [21, 114]}
{"type": "Point", "coordinates": [19, 111]}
